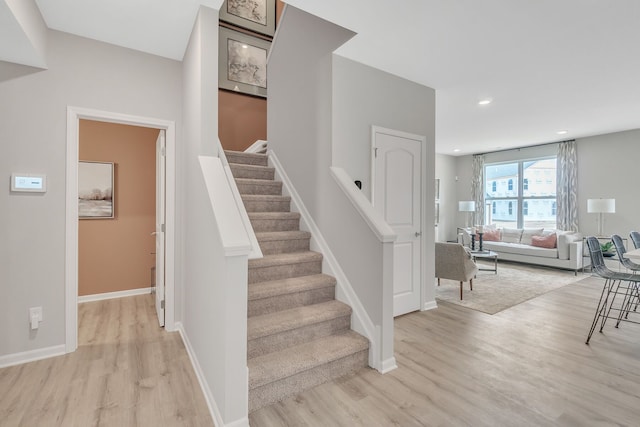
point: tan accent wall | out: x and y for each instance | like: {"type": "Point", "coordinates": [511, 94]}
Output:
{"type": "Point", "coordinates": [242, 120]}
{"type": "Point", "coordinates": [116, 254]}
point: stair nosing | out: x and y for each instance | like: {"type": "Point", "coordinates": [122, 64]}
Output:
{"type": "Point", "coordinates": [290, 369]}
{"type": "Point", "coordinates": [318, 281]}
{"type": "Point", "coordinates": [285, 258]}
{"type": "Point", "coordinates": [341, 309]}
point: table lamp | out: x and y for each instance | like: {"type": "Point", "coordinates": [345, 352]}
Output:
{"type": "Point", "coordinates": [467, 206]}
{"type": "Point", "coordinates": [601, 206]}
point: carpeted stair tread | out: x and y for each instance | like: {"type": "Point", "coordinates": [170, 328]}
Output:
{"type": "Point", "coordinates": [285, 363]}
{"type": "Point", "coordinates": [248, 186]}
{"type": "Point", "coordinates": [274, 221]}
{"type": "Point", "coordinates": [273, 215]}
{"type": "Point", "coordinates": [287, 320]}
{"type": "Point", "coordinates": [239, 157]}
{"type": "Point", "coordinates": [266, 203]}
{"type": "Point", "coordinates": [284, 259]}
{"type": "Point", "coordinates": [274, 288]}
{"type": "Point", "coordinates": [252, 171]}
{"type": "Point", "coordinates": [269, 236]}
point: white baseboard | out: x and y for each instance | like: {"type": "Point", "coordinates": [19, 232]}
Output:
{"type": "Point", "coordinates": [388, 365]}
{"type": "Point", "coordinates": [111, 295]}
{"type": "Point", "coordinates": [429, 305]}
{"type": "Point", "coordinates": [208, 395]}
{"type": "Point", "coordinates": [31, 355]}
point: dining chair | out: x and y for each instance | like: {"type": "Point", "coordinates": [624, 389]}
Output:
{"type": "Point", "coordinates": [635, 238]}
{"type": "Point", "coordinates": [614, 283]}
{"type": "Point", "coordinates": [633, 297]}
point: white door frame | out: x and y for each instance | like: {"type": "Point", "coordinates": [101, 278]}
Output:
{"type": "Point", "coordinates": [74, 114]}
{"type": "Point", "coordinates": [423, 195]}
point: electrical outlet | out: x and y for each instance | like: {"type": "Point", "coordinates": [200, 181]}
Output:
{"type": "Point", "coordinates": [35, 311]}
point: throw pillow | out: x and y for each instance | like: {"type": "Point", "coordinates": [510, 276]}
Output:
{"type": "Point", "coordinates": [548, 241]}
{"type": "Point", "coordinates": [511, 235]}
{"type": "Point", "coordinates": [528, 233]}
{"type": "Point", "coordinates": [491, 236]}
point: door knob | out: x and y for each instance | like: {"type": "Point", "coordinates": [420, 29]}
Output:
{"type": "Point", "coordinates": [418, 233]}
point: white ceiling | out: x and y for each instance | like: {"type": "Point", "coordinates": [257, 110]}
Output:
{"type": "Point", "coordinates": [548, 65]}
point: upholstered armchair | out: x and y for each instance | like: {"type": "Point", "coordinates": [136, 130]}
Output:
{"type": "Point", "coordinates": [455, 263]}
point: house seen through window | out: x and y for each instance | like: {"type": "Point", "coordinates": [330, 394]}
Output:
{"type": "Point", "coordinates": [518, 199]}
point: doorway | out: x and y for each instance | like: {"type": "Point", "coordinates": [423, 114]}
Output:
{"type": "Point", "coordinates": [398, 194]}
{"type": "Point", "coordinates": [167, 128]}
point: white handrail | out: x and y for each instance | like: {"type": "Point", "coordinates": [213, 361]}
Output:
{"type": "Point", "coordinates": [374, 220]}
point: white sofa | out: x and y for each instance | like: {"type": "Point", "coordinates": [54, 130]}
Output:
{"type": "Point", "coordinates": [515, 245]}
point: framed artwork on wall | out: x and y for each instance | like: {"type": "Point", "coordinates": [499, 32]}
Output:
{"type": "Point", "coordinates": [258, 16]}
{"type": "Point", "coordinates": [95, 190]}
{"type": "Point", "coordinates": [243, 63]}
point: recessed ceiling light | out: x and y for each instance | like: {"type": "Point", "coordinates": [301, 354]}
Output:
{"type": "Point", "coordinates": [562, 132]}
{"type": "Point", "coordinates": [485, 102]}
{"type": "Point", "coordinates": [456, 150]}
{"type": "Point", "coordinates": [244, 46]}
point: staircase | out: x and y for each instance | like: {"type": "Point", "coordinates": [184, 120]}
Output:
{"type": "Point", "coordinates": [298, 335]}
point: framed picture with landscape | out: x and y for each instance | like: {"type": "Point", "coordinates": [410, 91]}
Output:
{"type": "Point", "coordinates": [243, 63]}
{"type": "Point", "coordinates": [95, 190]}
{"type": "Point", "coordinates": [254, 15]}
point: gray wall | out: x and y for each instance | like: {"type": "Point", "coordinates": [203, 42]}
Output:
{"type": "Point", "coordinates": [364, 96]}
{"type": "Point", "coordinates": [607, 168]}
{"type": "Point", "coordinates": [606, 164]}
{"type": "Point", "coordinates": [446, 173]}
{"type": "Point", "coordinates": [320, 112]}
{"type": "Point", "coordinates": [33, 108]}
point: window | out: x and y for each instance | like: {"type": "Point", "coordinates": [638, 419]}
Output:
{"type": "Point", "coordinates": [529, 201]}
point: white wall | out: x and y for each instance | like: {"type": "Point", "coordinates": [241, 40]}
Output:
{"type": "Point", "coordinates": [82, 73]}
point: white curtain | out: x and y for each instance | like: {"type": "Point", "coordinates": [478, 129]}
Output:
{"type": "Point", "coordinates": [477, 188]}
{"type": "Point", "coordinates": [567, 187]}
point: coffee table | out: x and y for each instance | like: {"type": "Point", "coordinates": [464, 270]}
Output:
{"type": "Point", "coordinates": [487, 255]}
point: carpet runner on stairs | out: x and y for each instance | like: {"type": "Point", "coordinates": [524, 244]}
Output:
{"type": "Point", "coordinates": [298, 334]}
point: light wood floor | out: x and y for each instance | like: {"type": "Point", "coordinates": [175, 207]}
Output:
{"type": "Point", "coordinates": [525, 366]}
{"type": "Point", "coordinates": [127, 371]}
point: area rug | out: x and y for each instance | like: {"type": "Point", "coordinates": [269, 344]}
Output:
{"type": "Point", "coordinates": [515, 283]}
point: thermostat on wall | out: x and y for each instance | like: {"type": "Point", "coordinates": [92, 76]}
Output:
{"type": "Point", "coordinates": [28, 182]}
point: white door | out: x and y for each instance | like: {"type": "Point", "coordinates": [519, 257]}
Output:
{"type": "Point", "coordinates": [397, 194]}
{"type": "Point", "coordinates": [160, 225]}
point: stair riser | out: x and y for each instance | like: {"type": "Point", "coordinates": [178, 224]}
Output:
{"type": "Point", "coordinates": [284, 246]}
{"type": "Point", "coordinates": [281, 389]}
{"type": "Point", "coordinates": [282, 340]}
{"type": "Point", "coordinates": [267, 206]}
{"type": "Point", "coordinates": [263, 225]}
{"type": "Point", "coordinates": [246, 159]}
{"type": "Point", "coordinates": [287, 301]}
{"type": "Point", "coordinates": [239, 171]}
{"type": "Point", "coordinates": [277, 272]}
{"type": "Point", "coordinates": [271, 188]}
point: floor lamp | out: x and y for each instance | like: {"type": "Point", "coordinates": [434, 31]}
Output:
{"type": "Point", "coordinates": [467, 206]}
{"type": "Point", "coordinates": [601, 206]}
